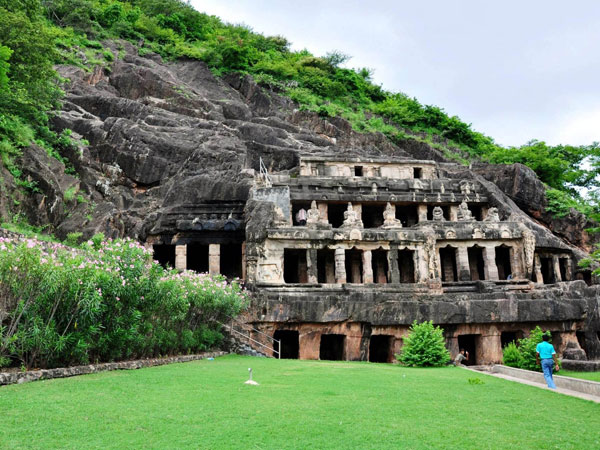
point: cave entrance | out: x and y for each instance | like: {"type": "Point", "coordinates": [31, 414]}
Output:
{"type": "Point", "coordinates": [417, 172]}
{"type": "Point", "coordinates": [290, 343]}
{"type": "Point", "coordinates": [297, 206]}
{"type": "Point", "coordinates": [476, 211]}
{"type": "Point", "coordinates": [406, 265]}
{"type": "Point", "coordinates": [547, 270]}
{"type": "Point", "coordinates": [448, 263]}
{"type": "Point", "coordinates": [379, 263]}
{"type": "Point", "coordinates": [407, 214]}
{"type": "Point", "coordinates": [332, 347]}
{"type": "Point", "coordinates": [294, 266]}
{"type": "Point", "coordinates": [564, 269]}
{"type": "Point", "coordinates": [197, 257]}
{"type": "Point", "coordinates": [326, 265]}
{"type": "Point", "coordinates": [372, 215]}
{"type": "Point", "coordinates": [476, 263]}
{"type": "Point", "coordinates": [503, 262]}
{"type": "Point", "coordinates": [231, 260]}
{"type": "Point", "coordinates": [469, 343]}
{"type": "Point", "coordinates": [354, 266]}
{"type": "Point", "coordinates": [358, 171]}
{"type": "Point", "coordinates": [445, 209]}
{"type": "Point", "coordinates": [506, 337]}
{"type": "Point", "coordinates": [581, 340]}
{"type": "Point", "coordinates": [164, 254]}
{"type": "Point", "coordinates": [380, 348]}
{"type": "Point", "coordinates": [335, 213]}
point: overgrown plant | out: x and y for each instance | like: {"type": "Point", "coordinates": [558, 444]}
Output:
{"type": "Point", "coordinates": [105, 301]}
{"type": "Point", "coordinates": [523, 355]}
{"type": "Point", "coordinates": [424, 346]}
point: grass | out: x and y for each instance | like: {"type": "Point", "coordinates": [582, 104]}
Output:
{"type": "Point", "coordinates": [299, 404]}
{"type": "Point", "coordinates": [592, 376]}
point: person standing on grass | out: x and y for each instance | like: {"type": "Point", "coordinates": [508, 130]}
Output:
{"type": "Point", "coordinates": [546, 357]}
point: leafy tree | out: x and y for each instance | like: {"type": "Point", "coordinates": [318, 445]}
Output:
{"type": "Point", "coordinates": [424, 346]}
{"type": "Point", "coordinates": [5, 53]}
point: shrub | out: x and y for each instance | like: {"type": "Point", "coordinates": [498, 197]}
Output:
{"type": "Point", "coordinates": [524, 355]}
{"type": "Point", "coordinates": [73, 306]}
{"type": "Point", "coordinates": [511, 355]}
{"type": "Point", "coordinates": [424, 346]}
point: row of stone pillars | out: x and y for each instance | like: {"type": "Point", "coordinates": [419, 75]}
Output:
{"type": "Point", "coordinates": [214, 258]}
{"type": "Point", "coordinates": [467, 268]}
{"type": "Point", "coordinates": [360, 258]}
{"type": "Point", "coordinates": [555, 272]}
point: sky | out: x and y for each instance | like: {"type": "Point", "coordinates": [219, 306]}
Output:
{"type": "Point", "coordinates": [515, 70]}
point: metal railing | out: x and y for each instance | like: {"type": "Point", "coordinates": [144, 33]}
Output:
{"type": "Point", "coordinates": [250, 329]}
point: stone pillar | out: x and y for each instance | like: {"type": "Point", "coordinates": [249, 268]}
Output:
{"type": "Point", "coordinates": [453, 210]}
{"type": "Point", "coordinates": [358, 208]}
{"type": "Point", "coordinates": [490, 268]}
{"type": "Point", "coordinates": [367, 267]}
{"type": "Point", "coordinates": [340, 265]}
{"type": "Point", "coordinates": [181, 257]}
{"type": "Point", "coordinates": [489, 349]}
{"type": "Point", "coordinates": [394, 275]}
{"type": "Point", "coordinates": [422, 213]}
{"type": "Point", "coordinates": [323, 212]}
{"type": "Point", "coordinates": [462, 264]}
{"type": "Point", "coordinates": [516, 263]}
{"type": "Point", "coordinates": [244, 274]}
{"type": "Point", "coordinates": [214, 258]}
{"type": "Point", "coordinates": [311, 265]}
{"type": "Point", "coordinates": [556, 267]}
{"type": "Point", "coordinates": [569, 271]}
{"type": "Point", "coordinates": [537, 269]}
{"type": "Point", "coordinates": [421, 268]}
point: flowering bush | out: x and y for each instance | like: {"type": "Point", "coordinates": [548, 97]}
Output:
{"type": "Point", "coordinates": [102, 302]}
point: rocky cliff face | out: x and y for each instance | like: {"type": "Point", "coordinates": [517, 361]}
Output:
{"type": "Point", "coordinates": [164, 137]}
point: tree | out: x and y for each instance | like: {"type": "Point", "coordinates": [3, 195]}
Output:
{"type": "Point", "coordinates": [424, 346]}
{"type": "Point", "coordinates": [5, 53]}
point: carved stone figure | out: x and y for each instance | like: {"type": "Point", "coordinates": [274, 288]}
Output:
{"type": "Point", "coordinates": [528, 248]}
{"type": "Point", "coordinates": [351, 219]}
{"type": "Point", "coordinates": [492, 215]}
{"type": "Point", "coordinates": [464, 214]}
{"type": "Point", "coordinates": [389, 217]}
{"type": "Point", "coordinates": [438, 214]}
{"type": "Point", "coordinates": [465, 187]}
{"type": "Point", "coordinates": [430, 255]}
{"type": "Point", "coordinates": [442, 188]}
{"type": "Point", "coordinates": [313, 215]}
{"type": "Point", "coordinates": [417, 184]}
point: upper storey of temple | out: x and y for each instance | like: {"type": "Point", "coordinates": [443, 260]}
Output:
{"type": "Point", "coordinates": [368, 168]}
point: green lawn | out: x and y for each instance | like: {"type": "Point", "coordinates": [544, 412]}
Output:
{"type": "Point", "coordinates": [299, 404]}
{"type": "Point", "coordinates": [592, 376]}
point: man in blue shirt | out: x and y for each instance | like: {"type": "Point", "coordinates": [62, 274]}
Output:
{"type": "Point", "coordinates": [546, 355]}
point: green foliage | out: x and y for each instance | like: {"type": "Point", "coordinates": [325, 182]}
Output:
{"type": "Point", "coordinates": [35, 34]}
{"type": "Point", "coordinates": [511, 355]}
{"type": "Point", "coordinates": [70, 306]}
{"type": "Point", "coordinates": [523, 356]}
{"type": "Point", "coordinates": [73, 238]}
{"type": "Point", "coordinates": [424, 346]}
{"type": "Point", "coordinates": [475, 380]}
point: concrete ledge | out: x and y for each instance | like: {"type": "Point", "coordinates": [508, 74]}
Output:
{"type": "Point", "coordinates": [48, 374]}
{"type": "Point", "coordinates": [573, 384]}
{"type": "Point", "coordinates": [581, 366]}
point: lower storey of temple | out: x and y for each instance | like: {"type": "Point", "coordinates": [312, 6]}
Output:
{"type": "Point", "coordinates": [358, 341]}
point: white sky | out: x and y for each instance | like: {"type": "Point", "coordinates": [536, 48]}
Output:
{"type": "Point", "coordinates": [516, 70]}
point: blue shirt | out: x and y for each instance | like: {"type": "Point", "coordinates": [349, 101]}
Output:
{"type": "Point", "coordinates": [545, 350]}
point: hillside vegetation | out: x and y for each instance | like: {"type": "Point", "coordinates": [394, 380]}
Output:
{"type": "Point", "coordinates": [36, 34]}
